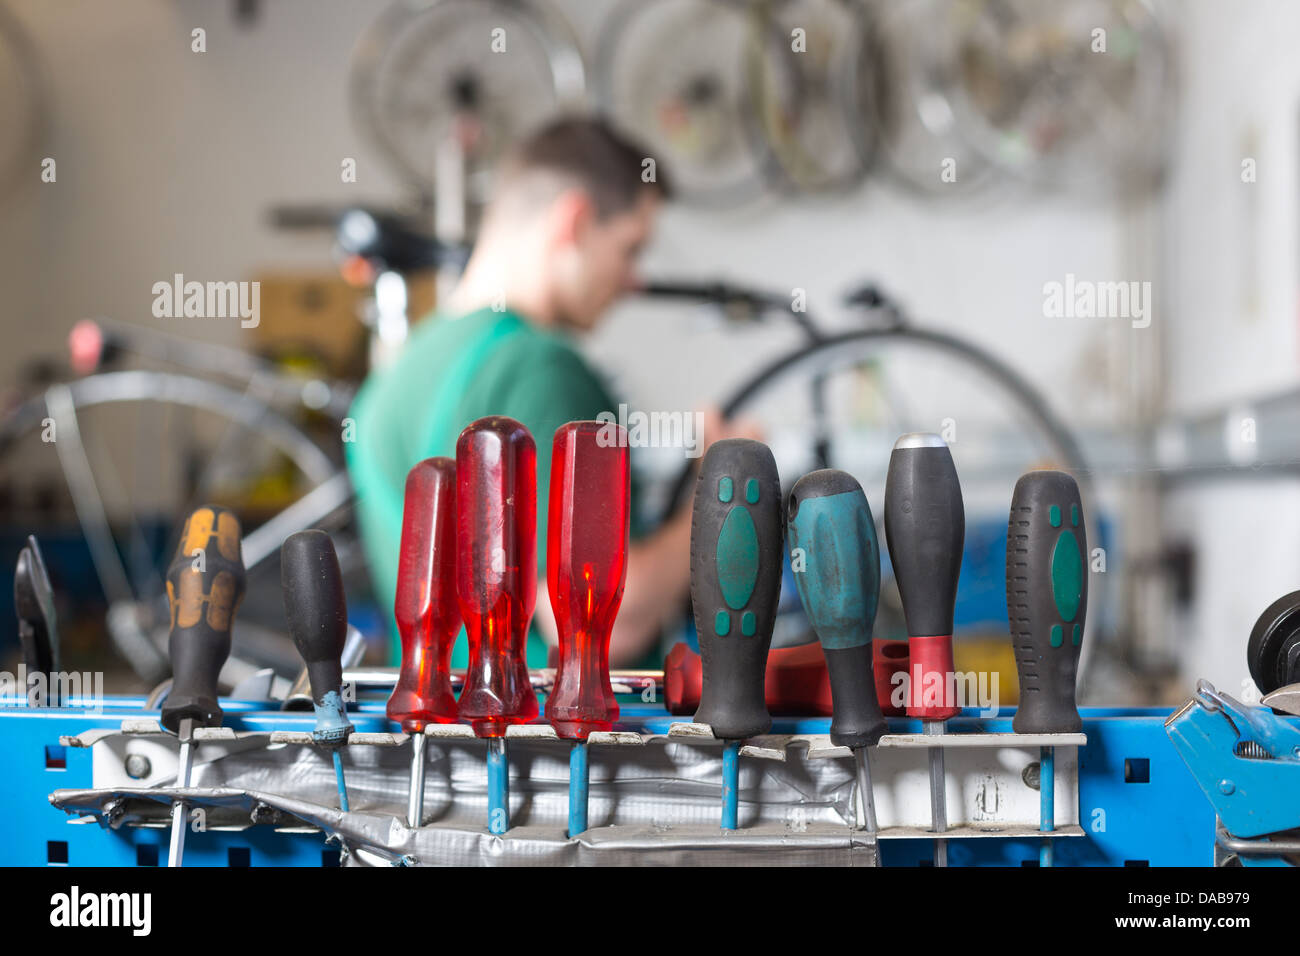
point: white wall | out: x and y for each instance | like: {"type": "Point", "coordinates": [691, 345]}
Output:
{"type": "Point", "coordinates": [1231, 253]}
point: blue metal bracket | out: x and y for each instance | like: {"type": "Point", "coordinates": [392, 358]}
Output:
{"type": "Point", "coordinates": [1245, 759]}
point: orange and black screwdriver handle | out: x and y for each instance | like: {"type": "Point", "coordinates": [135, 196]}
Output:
{"type": "Point", "coordinates": [586, 566]}
{"type": "Point", "coordinates": [736, 543]}
{"type": "Point", "coordinates": [496, 570]}
{"type": "Point", "coordinates": [205, 583]}
{"type": "Point", "coordinates": [1047, 599]}
{"type": "Point", "coordinates": [925, 527]}
{"type": "Point", "coordinates": [425, 607]}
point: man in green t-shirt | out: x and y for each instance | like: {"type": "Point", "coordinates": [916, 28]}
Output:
{"type": "Point", "coordinates": [558, 244]}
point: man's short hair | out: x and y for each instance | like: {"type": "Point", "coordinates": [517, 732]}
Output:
{"type": "Point", "coordinates": [585, 153]}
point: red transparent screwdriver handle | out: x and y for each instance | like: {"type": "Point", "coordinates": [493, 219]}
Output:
{"type": "Point", "coordinates": [586, 565]}
{"type": "Point", "coordinates": [496, 570]}
{"type": "Point", "coordinates": [426, 610]}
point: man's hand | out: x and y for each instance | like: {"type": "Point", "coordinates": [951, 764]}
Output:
{"type": "Point", "coordinates": [717, 428]}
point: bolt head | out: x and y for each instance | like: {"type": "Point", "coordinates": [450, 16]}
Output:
{"type": "Point", "coordinates": [1227, 787]}
{"type": "Point", "coordinates": [137, 766]}
{"type": "Point", "coordinates": [1030, 775]}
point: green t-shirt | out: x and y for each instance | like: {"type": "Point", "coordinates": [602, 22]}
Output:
{"type": "Point", "coordinates": [452, 371]}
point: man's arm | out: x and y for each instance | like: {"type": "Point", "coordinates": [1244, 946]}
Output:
{"type": "Point", "coordinates": [658, 578]}
{"type": "Point", "coordinates": [658, 570]}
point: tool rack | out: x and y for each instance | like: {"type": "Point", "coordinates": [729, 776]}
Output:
{"type": "Point", "coordinates": [1123, 796]}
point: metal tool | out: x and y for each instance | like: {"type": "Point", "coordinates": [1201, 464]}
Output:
{"type": "Point", "coordinates": [1047, 603]}
{"type": "Point", "coordinates": [1273, 651]}
{"type": "Point", "coordinates": [925, 527]}
{"type": "Point", "coordinates": [496, 585]}
{"type": "Point", "coordinates": [205, 583]}
{"type": "Point", "coordinates": [586, 565]}
{"type": "Point", "coordinates": [1247, 762]}
{"type": "Point", "coordinates": [427, 615]}
{"type": "Point", "coordinates": [735, 582]}
{"type": "Point", "coordinates": [38, 628]}
{"type": "Point", "coordinates": [316, 611]}
{"type": "Point", "coordinates": [836, 560]}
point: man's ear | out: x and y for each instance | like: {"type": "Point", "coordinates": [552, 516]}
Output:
{"type": "Point", "coordinates": [572, 213]}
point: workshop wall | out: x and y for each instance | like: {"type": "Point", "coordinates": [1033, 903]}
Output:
{"type": "Point", "coordinates": [1231, 253]}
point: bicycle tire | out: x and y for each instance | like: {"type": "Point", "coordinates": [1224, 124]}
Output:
{"type": "Point", "coordinates": [196, 393]}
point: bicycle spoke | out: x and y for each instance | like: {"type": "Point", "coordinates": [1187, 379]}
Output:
{"type": "Point", "coordinates": [85, 495]}
{"type": "Point", "coordinates": [307, 512]}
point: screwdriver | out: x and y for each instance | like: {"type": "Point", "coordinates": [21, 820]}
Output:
{"type": "Point", "coordinates": [829, 519]}
{"type": "Point", "coordinates": [317, 614]}
{"type": "Point", "coordinates": [925, 526]}
{"type": "Point", "coordinates": [496, 585]}
{"type": "Point", "coordinates": [1047, 600]}
{"type": "Point", "coordinates": [38, 629]}
{"type": "Point", "coordinates": [797, 684]}
{"type": "Point", "coordinates": [205, 583]}
{"type": "Point", "coordinates": [735, 582]}
{"type": "Point", "coordinates": [427, 615]}
{"type": "Point", "coordinates": [586, 565]}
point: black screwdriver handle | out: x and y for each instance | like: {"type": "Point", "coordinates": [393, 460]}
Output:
{"type": "Point", "coordinates": [735, 582]}
{"type": "Point", "coordinates": [836, 562]}
{"type": "Point", "coordinates": [1047, 599]}
{"type": "Point", "coordinates": [925, 528]}
{"type": "Point", "coordinates": [34, 604]}
{"type": "Point", "coordinates": [205, 583]}
{"type": "Point", "coordinates": [316, 611]}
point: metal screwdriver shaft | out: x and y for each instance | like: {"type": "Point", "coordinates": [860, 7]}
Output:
{"type": "Point", "coordinates": [176, 846]}
{"type": "Point", "coordinates": [205, 583]}
{"type": "Point", "coordinates": [415, 791]}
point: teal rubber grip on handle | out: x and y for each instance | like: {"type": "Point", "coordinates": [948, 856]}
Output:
{"type": "Point", "coordinates": [835, 555]}
{"type": "Point", "coordinates": [736, 542]}
{"type": "Point", "coordinates": [1047, 599]}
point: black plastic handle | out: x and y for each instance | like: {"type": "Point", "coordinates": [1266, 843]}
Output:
{"type": "Point", "coordinates": [1047, 599]}
{"type": "Point", "coordinates": [316, 611]}
{"type": "Point", "coordinates": [836, 561]}
{"type": "Point", "coordinates": [34, 604]}
{"type": "Point", "coordinates": [735, 582]}
{"type": "Point", "coordinates": [205, 583]}
{"type": "Point", "coordinates": [925, 528]}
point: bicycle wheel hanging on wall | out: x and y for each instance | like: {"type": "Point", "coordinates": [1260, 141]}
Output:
{"type": "Point", "coordinates": [22, 105]}
{"type": "Point", "coordinates": [913, 105]}
{"type": "Point", "coordinates": [1073, 96]}
{"type": "Point", "coordinates": [471, 76]}
{"type": "Point", "coordinates": [688, 78]}
{"type": "Point", "coordinates": [823, 145]}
